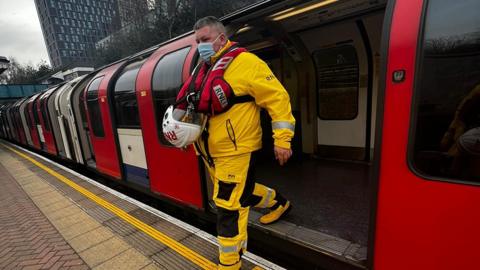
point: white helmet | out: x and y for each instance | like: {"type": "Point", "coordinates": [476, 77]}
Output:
{"type": "Point", "coordinates": [181, 129]}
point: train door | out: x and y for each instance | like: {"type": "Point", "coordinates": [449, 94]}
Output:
{"type": "Point", "coordinates": [61, 140]}
{"type": "Point", "coordinates": [3, 128]}
{"type": "Point", "coordinates": [100, 122]}
{"type": "Point", "coordinates": [10, 130]}
{"type": "Point", "coordinates": [35, 130]}
{"type": "Point", "coordinates": [127, 123]}
{"type": "Point", "coordinates": [344, 60]}
{"type": "Point", "coordinates": [173, 173]}
{"type": "Point", "coordinates": [63, 137]}
{"type": "Point", "coordinates": [18, 123]}
{"type": "Point", "coordinates": [78, 121]}
{"type": "Point", "coordinates": [429, 172]}
{"type": "Point", "coordinates": [11, 123]}
{"type": "Point", "coordinates": [45, 123]}
{"type": "Point", "coordinates": [22, 110]}
{"type": "Point", "coordinates": [326, 55]}
{"type": "Point", "coordinates": [63, 117]}
{"type": "Point", "coordinates": [70, 126]}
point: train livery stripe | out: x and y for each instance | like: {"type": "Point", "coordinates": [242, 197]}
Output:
{"type": "Point", "coordinates": [184, 251]}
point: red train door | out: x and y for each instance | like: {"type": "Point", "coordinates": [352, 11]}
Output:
{"type": "Point", "coordinates": [32, 122]}
{"type": "Point", "coordinates": [45, 124]}
{"type": "Point", "coordinates": [18, 123]}
{"type": "Point", "coordinates": [173, 173]}
{"type": "Point", "coordinates": [15, 130]}
{"type": "Point", "coordinates": [100, 122]}
{"type": "Point", "coordinates": [428, 197]}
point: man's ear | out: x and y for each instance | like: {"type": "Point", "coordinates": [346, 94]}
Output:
{"type": "Point", "coordinates": [224, 39]}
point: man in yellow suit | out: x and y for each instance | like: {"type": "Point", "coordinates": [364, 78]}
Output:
{"type": "Point", "coordinates": [235, 135]}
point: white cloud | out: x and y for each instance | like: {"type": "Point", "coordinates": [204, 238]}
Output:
{"type": "Point", "coordinates": [20, 32]}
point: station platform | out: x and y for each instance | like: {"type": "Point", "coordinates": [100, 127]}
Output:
{"type": "Point", "coordinates": [54, 218]}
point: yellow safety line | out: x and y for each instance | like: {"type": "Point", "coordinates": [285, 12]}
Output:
{"type": "Point", "coordinates": [191, 255]}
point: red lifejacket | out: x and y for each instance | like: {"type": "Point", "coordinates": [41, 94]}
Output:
{"type": "Point", "coordinates": [207, 89]}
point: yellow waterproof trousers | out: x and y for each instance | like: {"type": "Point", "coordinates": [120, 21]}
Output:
{"type": "Point", "coordinates": [234, 192]}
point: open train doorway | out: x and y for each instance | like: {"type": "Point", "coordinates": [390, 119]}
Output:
{"type": "Point", "coordinates": [328, 60]}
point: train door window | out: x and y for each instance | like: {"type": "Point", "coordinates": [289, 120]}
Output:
{"type": "Point", "coordinates": [337, 82]}
{"type": "Point", "coordinates": [166, 82]}
{"type": "Point", "coordinates": [126, 107]}
{"type": "Point", "coordinates": [445, 136]}
{"type": "Point", "coordinates": [94, 108]}
{"type": "Point", "coordinates": [43, 109]}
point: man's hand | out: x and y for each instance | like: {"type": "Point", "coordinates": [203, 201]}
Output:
{"type": "Point", "coordinates": [282, 154]}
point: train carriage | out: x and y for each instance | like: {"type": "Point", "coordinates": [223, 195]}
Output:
{"type": "Point", "coordinates": [386, 153]}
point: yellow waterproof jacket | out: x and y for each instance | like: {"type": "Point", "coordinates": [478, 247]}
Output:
{"type": "Point", "coordinates": [238, 131]}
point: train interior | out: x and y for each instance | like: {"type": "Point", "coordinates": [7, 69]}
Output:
{"type": "Point", "coordinates": [327, 57]}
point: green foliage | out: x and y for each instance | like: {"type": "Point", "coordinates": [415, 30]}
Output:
{"type": "Point", "coordinates": [24, 74]}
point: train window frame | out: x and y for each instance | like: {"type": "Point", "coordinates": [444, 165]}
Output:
{"type": "Point", "coordinates": [414, 111]}
{"type": "Point", "coordinates": [137, 125]}
{"type": "Point", "coordinates": [96, 131]}
{"type": "Point", "coordinates": [317, 92]}
{"type": "Point", "coordinates": [159, 116]}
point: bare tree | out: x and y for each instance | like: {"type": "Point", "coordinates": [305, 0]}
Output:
{"type": "Point", "coordinates": [165, 19]}
{"type": "Point", "coordinates": [24, 74]}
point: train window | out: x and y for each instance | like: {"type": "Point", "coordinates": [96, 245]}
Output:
{"type": "Point", "coordinates": [445, 137]}
{"type": "Point", "coordinates": [126, 107]}
{"type": "Point", "coordinates": [94, 108]}
{"type": "Point", "coordinates": [337, 82]}
{"type": "Point", "coordinates": [43, 109]}
{"type": "Point", "coordinates": [166, 82]}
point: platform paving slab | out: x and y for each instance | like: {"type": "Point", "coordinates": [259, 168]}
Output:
{"type": "Point", "coordinates": [41, 228]}
{"type": "Point", "coordinates": [28, 240]}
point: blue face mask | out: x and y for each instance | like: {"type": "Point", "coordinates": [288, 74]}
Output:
{"type": "Point", "coordinates": [206, 51]}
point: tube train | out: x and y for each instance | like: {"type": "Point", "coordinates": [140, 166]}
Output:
{"type": "Point", "coordinates": [386, 162]}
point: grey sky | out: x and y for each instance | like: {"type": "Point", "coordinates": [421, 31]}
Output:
{"type": "Point", "coordinates": [20, 32]}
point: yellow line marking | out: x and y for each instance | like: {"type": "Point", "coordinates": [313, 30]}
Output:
{"type": "Point", "coordinates": [191, 255]}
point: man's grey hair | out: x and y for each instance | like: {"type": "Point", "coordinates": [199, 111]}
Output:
{"type": "Point", "coordinates": [210, 21]}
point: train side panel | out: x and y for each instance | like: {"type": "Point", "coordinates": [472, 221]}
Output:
{"type": "Point", "coordinates": [425, 220]}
